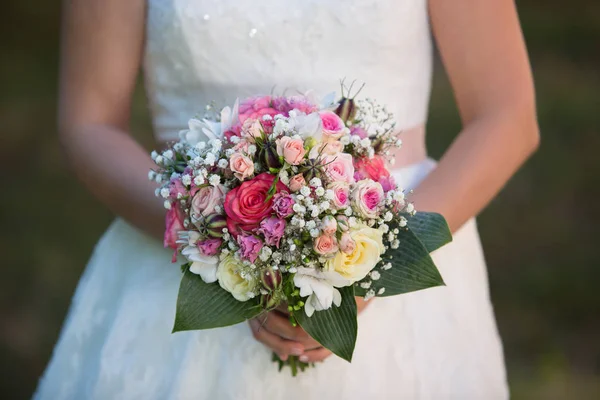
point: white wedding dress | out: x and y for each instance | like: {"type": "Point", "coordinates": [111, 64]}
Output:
{"type": "Point", "coordinates": [440, 343]}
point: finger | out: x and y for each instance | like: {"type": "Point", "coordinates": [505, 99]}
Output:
{"type": "Point", "coordinates": [282, 347]}
{"type": "Point", "coordinates": [280, 325]}
{"type": "Point", "coordinates": [315, 355]}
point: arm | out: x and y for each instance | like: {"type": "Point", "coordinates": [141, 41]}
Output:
{"type": "Point", "coordinates": [484, 54]}
{"type": "Point", "coordinates": [102, 44]}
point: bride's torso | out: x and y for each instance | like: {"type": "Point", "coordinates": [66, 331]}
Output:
{"type": "Point", "coordinates": [202, 51]}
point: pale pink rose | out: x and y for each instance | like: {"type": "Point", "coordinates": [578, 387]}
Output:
{"type": "Point", "coordinates": [206, 199]}
{"type": "Point", "coordinates": [339, 167]}
{"type": "Point", "coordinates": [347, 244]}
{"type": "Point", "coordinates": [210, 247]}
{"type": "Point", "coordinates": [341, 194]}
{"type": "Point", "coordinates": [297, 182]}
{"type": "Point", "coordinates": [367, 197]}
{"type": "Point", "coordinates": [327, 148]}
{"type": "Point", "coordinates": [252, 129]}
{"type": "Point", "coordinates": [333, 126]}
{"type": "Point", "coordinates": [241, 165]}
{"type": "Point", "coordinates": [242, 146]}
{"type": "Point", "coordinates": [292, 150]}
{"type": "Point", "coordinates": [329, 225]}
{"type": "Point", "coordinates": [325, 245]}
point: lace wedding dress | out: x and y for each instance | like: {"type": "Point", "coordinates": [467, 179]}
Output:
{"type": "Point", "coordinates": [434, 344]}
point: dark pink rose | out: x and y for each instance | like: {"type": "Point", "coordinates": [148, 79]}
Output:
{"type": "Point", "coordinates": [174, 224]}
{"type": "Point", "coordinates": [250, 246]}
{"type": "Point", "coordinates": [210, 247]}
{"type": "Point", "coordinates": [387, 183]}
{"type": "Point", "coordinates": [282, 204]}
{"type": "Point", "coordinates": [247, 204]}
{"type": "Point", "coordinates": [272, 229]}
{"type": "Point", "coordinates": [176, 189]}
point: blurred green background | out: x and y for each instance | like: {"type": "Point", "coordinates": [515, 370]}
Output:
{"type": "Point", "coordinates": [539, 234]}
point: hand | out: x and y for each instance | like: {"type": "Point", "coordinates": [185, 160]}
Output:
{"type": "Point", "coordinates": [275, 331]}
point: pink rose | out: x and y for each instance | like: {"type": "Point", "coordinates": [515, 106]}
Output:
{"type": "Point", "coordinates": [297, 182]}
{"type": "Point", "coordinates": [210, 247]}
{"type": "Point", "coordinates": [358, 131]}
{"type": "Point", "coordinates": [367, 197]}
{"type": "Point", "coordinates": [347, 244]}
{"type": "Point", "coordinates": [241, 165]}
{"type": "Point", "coordinates": [373, 168]}
{"type": "Point", "coordinates": [339, 167]}
{"type": "Point", "coordinates": [282, 204]}
{"type": "Point", "coordinates": [325, 245]}
{"type": "Point", "coordinates": [255, 108]}
{"type": "Point", "coordinates": [327, 148]}
{"type": "Point", "coordinates": [387, 183]}
{"type": "Point", "coordinates": [174, 224]}
{"type": "Point", "coordinates": [247, 204]}
{"type": "Point", "coordinates": [250, 246]}
{"type": "Point", "coordinates": [292, 150]}
{"type": "Point", "coordinates": [206, 199]}
{"type": "Point", "coordinates": [342, 222]}
{"type": "Point", "coordinates": [329, 225]}
{"type": "Point", "coordinates": [341, 194]}
{"type": "Point", "coordinates": [272, 229]}
{"type": "Point", "coordinates": [333, 126]}
{"type": "Point", "coordinates": [252, 129]}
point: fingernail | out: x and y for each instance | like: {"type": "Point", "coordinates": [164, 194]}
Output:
{"type": "Point", "coordinates": [304, 358]}
{"type": "Point", "coordinates": [297, 351]}
{"type": "Point", "coordinates": [283, 357]}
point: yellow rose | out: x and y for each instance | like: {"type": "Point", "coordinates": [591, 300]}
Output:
{"type": "Point", "coordinates": [230, 280]}
{"type": "Point", "coordinates": [366, 254]}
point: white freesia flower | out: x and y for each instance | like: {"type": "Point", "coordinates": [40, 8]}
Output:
{"type": "Point", "coordinates": [307, 126]}
{"type": "Point", "coordinates": [205, 266]}
{"type": "Point", "coordinates": [320, 287]}
{"type": "Point", "coordinates": [205, 130]}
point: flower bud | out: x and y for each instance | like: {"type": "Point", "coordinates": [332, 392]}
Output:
{"type": "Point", "coordinates": [271, 278]}
{"type": "Point", "coordinates": [269, 155]}
{"type": "Point", "coordinates": [214, 225]}
{"type": "Point", "coordinates": [269, 301]}
{"type": "Point", "coordinates": [346, 110]}
{"type": "Point", "coordinates": [342, 223]}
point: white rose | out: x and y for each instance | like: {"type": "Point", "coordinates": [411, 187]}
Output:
{"type": "Point", "coordinates": [367, 252]}
{"type": "Point", "coordinates": [230, 280]}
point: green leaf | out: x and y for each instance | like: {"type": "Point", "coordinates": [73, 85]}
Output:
{"type": "Point", "coordinates": [431, 229]}
{"type": "Point", "coordinates": [203, 305]}
{"type": "Point", "coordinates": [335, 328]}
{"type": "Point", "coordinates": [412, 268]}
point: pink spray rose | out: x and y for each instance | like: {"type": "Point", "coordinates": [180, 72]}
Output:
{"type": "Point", "coordinates": [297, 182]}
{"type": "Point", "coordinates": [251, 129]}
{"type": "Point", "coordinates": [292, 150]}
{"type": "Point", "coordinates": [272, 229]}
{"type": "Point", "coordinates": [367, 197]}
{"type": "Point", "coordinates": [206, 199]}
{"type": "Point", "coordinates": [358, 131]}
{"type": "Point", "coordinates": [250, 246]}
{"type": "Point", "coordinates": [325, 245]}
{"type": "Point", "coordinates": [210, 247]}
{"type": "Point", "coordinates": [347, 244]}
{"type": "Point", "coordinates": [333, 126]}
{"type": "Point", "coordinates": [247, 204]}
{"type": "Point", "coordinates": [341, 194]}
{"type": "Point", "coordinates": [282, 204]}
{"type": "Point", "coordinates": [339, 167]}
{"type": "Point", "coordinates": [241, 165]}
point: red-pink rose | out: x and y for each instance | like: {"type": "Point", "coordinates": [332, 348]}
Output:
{"type": "Point", "coordinates": [174, 224]}
{"type": "Point", "coordinates": [373, 168]}
{"type": "Point", "coordinates": [247, 204]}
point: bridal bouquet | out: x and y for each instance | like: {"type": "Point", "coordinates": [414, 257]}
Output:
{"type": "Point", "coordinates": [284, 201]}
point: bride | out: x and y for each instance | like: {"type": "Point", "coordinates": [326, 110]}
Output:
{"type": "Point", "coordinates": [435, 344]}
